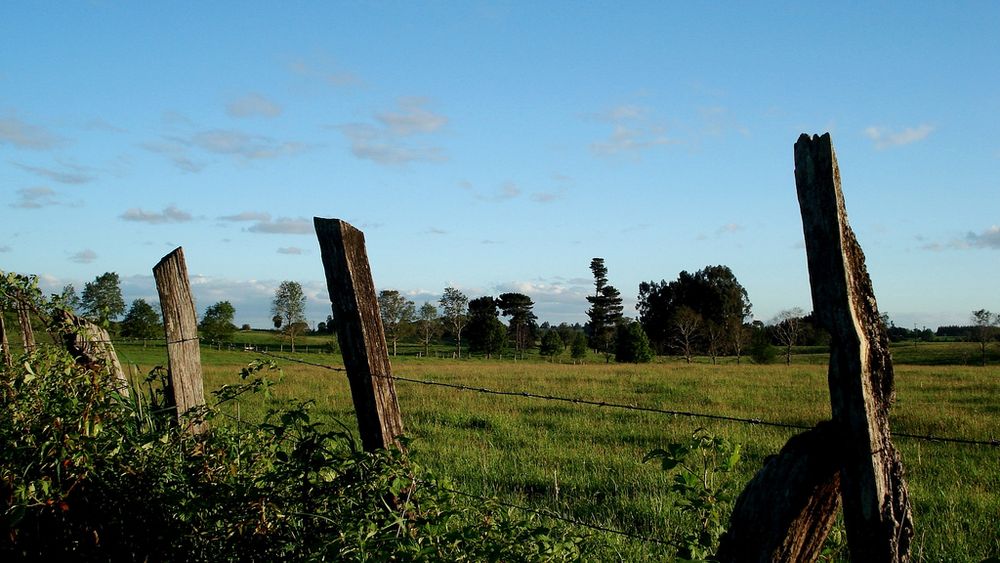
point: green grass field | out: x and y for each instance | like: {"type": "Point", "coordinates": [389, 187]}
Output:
{"type": "Point", "coordinates": [585, 462]}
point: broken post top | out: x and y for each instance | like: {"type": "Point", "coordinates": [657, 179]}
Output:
{"type": "Point", "coordinates": [843, 298]}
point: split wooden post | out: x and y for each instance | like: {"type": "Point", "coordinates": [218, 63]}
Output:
{"type": "Point", "coordinates": [91, 346]}
{"type": "Point", "coordinates": [24, 320]}
{"type": "Point", "coordinates": [876, 501]}
{"type": "Point", "coordinates": [180, 324]}
{"type": "Point", "coordinates": [4, 343]}
{"type": "Point", "coordinates": [360, 333]}
{"type": "Point", "coordinates": [786, 511]}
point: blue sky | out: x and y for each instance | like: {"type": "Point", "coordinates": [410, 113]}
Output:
{"type": "Point", "coordinates": [499, 146]}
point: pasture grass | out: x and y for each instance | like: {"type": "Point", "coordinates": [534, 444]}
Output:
{"type": "Point", "coordinates": [585, 462]}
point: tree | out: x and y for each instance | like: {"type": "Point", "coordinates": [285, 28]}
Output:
{"type": "Point", "coordinates": [785, 327]}
{"type": "Point", "coordinates": [713, 292]}
{"type": "Point", "coordinates": [288, 308]}
{"type": "Point", "coordinates": [738, 334]}
{"type": "Point", "coordinates": [454, 305]}
{"type": "Point", "coordinates": [984, 325]}
{"type": "Point", "coordinates": [142, 321]}
{"type": "Point", "coordinates": [518, 307]}
{"type": "Point", "coordinates": [486, 334]}
{"type": "Point", "coordinates": [70, 299]}
{"type": "Point", "coordinates": [687, 325]}
{"type": "Point", "coordinates": [217, 323]}
{"type": "Point", "coordinates": [605, 310]}
{"type": "Point", "coordinates": [102, 298]}
{"type": "Point", "coordinates": [428, 324]}
{"type": "Point", "coordinates": [397, 311]}
{"type": "Point", "coordinates": [578, 350]}
{"type": "Point", "coordinates": [552, 344]}
{"type": "Point", "coordinates": [632, 344]}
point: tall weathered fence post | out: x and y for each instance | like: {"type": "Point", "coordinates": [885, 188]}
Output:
{"type": "Point", "coordinates": [787, 509]}
{"type": "Point", "coordinates": [876, 501]}
{"type": "Point", "coordinates": [27, 334]}
{"type": "Point", "coordinates": [4, 343]}
{"type": "Point", "coordinates": [359, 331]}
{"type": "Point", "coordinates": [180, 324]}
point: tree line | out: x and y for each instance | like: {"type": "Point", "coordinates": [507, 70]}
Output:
{"type": "Point", "coordinates": [705, 313]}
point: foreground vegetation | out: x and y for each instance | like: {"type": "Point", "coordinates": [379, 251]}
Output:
{"type": "Point", "coordinates": [586, 462]}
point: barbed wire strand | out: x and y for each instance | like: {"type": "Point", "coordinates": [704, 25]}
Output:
{"type": "Point", "coordinates": [687, 414]}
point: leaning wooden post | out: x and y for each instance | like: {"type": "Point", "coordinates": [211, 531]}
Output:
{"type": "Point", "coordinates": [876, 502]}
{"type": "Point", "coordinates": [91, 346]}
{"type": "Point", "coordinates": [4, 343]}
{"type": "Point", "coordinates": [180, 324]}
{"type": "Point", "coordinates": [24, 320]}
{"type": "Point", "coordinates": [359, 331]}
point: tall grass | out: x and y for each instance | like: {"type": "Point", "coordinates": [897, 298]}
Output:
{"type": "Point", "coordinates": [586, 461]}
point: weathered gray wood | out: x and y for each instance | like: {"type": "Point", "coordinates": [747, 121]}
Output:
{"type": "Point", "coordinates": [787, 510]}
{"type": "Point", "coordinates": [91, 346]}
{"type": "Point", "coordinates": [27, 334]}
{"type": "Point", "coordinates": [4, 343]}
{"type": "Point", "coordinates": [876, 503]}
{"type": "Point", "coordinates": [359, 331]}
{"type": "Point", "coordinates": [180, 323]}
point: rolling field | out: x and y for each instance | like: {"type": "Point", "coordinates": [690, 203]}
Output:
{"type": "Point", "coordinates": [585, 462]}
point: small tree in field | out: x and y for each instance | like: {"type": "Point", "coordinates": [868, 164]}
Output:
{"type": "Point", "coordinates": [397, 311]}
{"type": "Point", "coordinates": [687, 326]}
{"type": "Point", "coordinates": [984, 329]}
{"type": "Point", "coordinates": [578, 350]}
{"type": "Point", "coordinates": [455, 312]}
{"type": "Point", "coordinates": [786, 327]}
{"type": "Point", "coordinates": [632, 344]}
{"type": "Point", "coordinates": [552, 344]}
{"type": "Point", "coordinates": [428, 325]}
{"type": "Point", "coordinates": [217, 324]}
{"type": "Point", "coordinates": [288, 308]}
{"type": "Point", "coordinates": [102, 298]}
{"type": "Point", "coordinates": [142, 321]}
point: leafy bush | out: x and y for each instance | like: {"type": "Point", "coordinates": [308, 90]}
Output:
{"type": "Point", "coordinates": [87, 474]}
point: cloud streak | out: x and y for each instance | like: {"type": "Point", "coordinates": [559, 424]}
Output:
{"type": "Point", "coordinates": [283, 226]}
{"type": "Point", "coordinates": [170, 214]}
{"type": "Point", "coordinates": [70, 173]}
{"type": "Point", "coordinates": [22, 135]}
{"type": "Point", "coordinates": [253, 105]}
{"type": "Point", "coordinates": [633, 131]}
{"type": "Point", "coordinates": [885, 138]}
{"type": "Point", "coordinates": [84, 257]}
{"type": "Point", "coordinates": [35, 198]}
{"type": "Point", "coordinates": [390, 142]}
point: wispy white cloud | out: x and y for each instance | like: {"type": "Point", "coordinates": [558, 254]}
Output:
{"type": "Point", "coordinates": [435, 231]}
{"type": "Point", "coordinates": [253, 105]}
{"type": "Point", "coordinates": [247, 216]}
{"type": "Point", "coordinates": [412, 117]}
{"type": "Point", "coordinates": [329, 72]}
{"type": "Point", "coordinates": [718, 120]}
{"type": "Point", "coordinates": [988, 238]}
{"type": "Point", "coordinates": [729, 228]}
{"type": "Point", "coordinates": [633, 130]}
{"type": "Point", "coordinates": [290, 250]}
{"type": "Point", "coordinates": [4, 248]}
{"type": "Point", "coordinates": [14, 131]}
{"type": "Point", "coordinates": [99, 124]}
{"type": "Point", "coordinates": [35, 198]}
{"type": "Point", "coordinates": [886, 138]}
{"type": "Point", "coordinates": [170, 214]}
{"type": "Point", "coordinates": [84, 256]}
{"type": "Point", "coordinates": [68, 174]}
{"type": "Point", "coordinates": [251, 147]}
{"type": "Point", "coordinates": [283, 226]}
{"type": "Point", "coordinates": [177, 151]}
{"type": "Point", "coordinates": [391, 141]}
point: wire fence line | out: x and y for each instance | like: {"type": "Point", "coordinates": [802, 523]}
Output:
{"type": "Point", "coordinates": [688, 414]}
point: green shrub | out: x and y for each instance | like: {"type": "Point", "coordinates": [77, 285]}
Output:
{"type": "Point", "coordinates": [87, 474]}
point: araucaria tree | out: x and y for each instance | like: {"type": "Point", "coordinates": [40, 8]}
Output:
{"type": "Point", "coordinates": [984, 329]}
{"type": "Point", "coordinates": [102, 298]}
{"type": "Point", "coordinates": [288, 308]}
{"type": "Point", "coordinates": [454, 306]}
{"type": "Point", "coordinates": [217, 324]}
{"type": "Point", "coordinates": [605, 310]}
{"type": "Point", "coordinates": [397, 312]}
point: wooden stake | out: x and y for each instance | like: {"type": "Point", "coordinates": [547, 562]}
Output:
{"type": "Point", "coordinates": [180, 324]}
{"type": "Point", "coordinates": [4, 343]}
{"type": "Point", "coordinates": [91, 346]}
{"type": "Point", "coordinates": [359, 331]}
{"type": "Point", "coordinates": [876, 502]}
{"type": "Point", "coordinates": [27, 334]}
